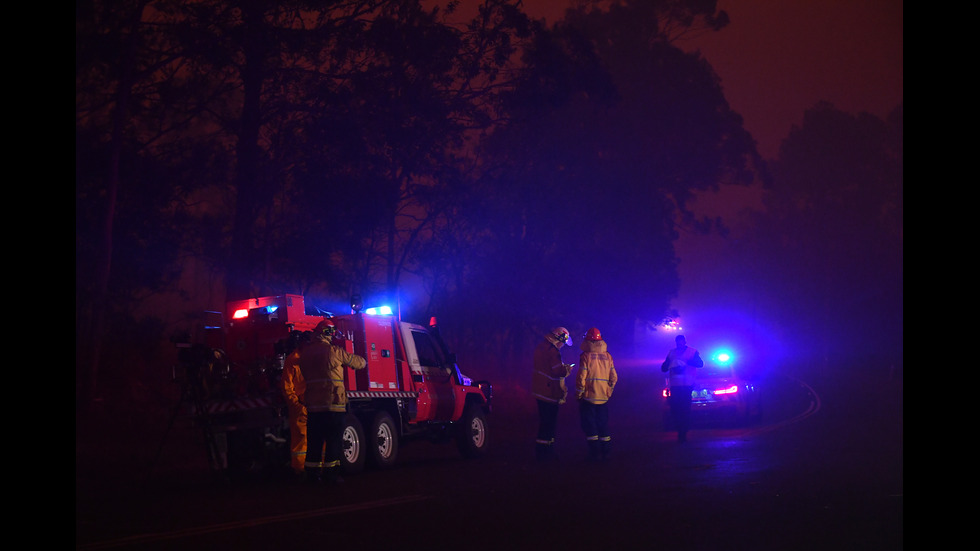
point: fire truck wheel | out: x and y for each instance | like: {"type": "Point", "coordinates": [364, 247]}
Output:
{"type": "Point", "coordinates": [383, 441]}
{"type": "Point", "coordinates": [472, 437]}
{"type": "Point", "coordinates": [352, 458]}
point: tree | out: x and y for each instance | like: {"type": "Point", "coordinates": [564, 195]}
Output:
{"type": "Point", "coordinates": [122, 170]}
{"type": "Point", "coordinates": [829, 249]}
{"type": "Point", "coordinates": [300, 145]}
{"type": "Point", "coordinates": [607, 136]}
{"type": "Point", "coordinates": [326, 147]}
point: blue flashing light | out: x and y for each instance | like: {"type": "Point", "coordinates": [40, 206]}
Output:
{"type": "Point", "coordinates": [379, 311]}
{"type": "Point", "coordinates": [723, 357]}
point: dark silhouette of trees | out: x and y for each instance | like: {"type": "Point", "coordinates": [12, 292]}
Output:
{"type": "Point", "coordinates": [307, 145]}
{"type": "Point", "coordinates": [129, 179]}
{"type": "Point", "coordinates": [519, 175]}
{"type": "Point", "coordinates": [828, 252]}
{"type": "Point", "coordinates": [610, 131]}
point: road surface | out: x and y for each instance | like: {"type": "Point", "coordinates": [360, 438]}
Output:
{"type": "Point", "coordinates": [823, 469]}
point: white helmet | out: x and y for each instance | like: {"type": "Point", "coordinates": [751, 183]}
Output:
{"type": "Point", "coordinates": [559, 336]}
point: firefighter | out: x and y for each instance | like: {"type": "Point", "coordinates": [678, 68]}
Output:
{"type": "Point", "coordinates": [548, 388]}
{"type": "Point", "coordinates": [294, 391]}
{"type": "Point", "coordinates": [322, 364]}
{"type": "Point", "coordinates": [681, 365]}
{"type": "Point", "coordinates": [594, 384]}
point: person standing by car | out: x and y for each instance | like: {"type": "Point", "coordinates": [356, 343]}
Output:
{"type": "Point", "coordinates": [681, 366]}
{"type": "Point", "coordinates": [548, 388]}
{"type": "Point", "coordinates": [594, 385]}
{"type": "Point", "coordinates": [322, 364]}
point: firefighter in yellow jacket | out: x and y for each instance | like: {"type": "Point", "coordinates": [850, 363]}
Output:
{"type": "Point", "coordinates": [294, 391]}
{"type": "Point", "coordinates": [322, 364]}
{"type": "Point", "coordinates": [548, 388]}
{"type": "Point", "coordinates": [594, 384]}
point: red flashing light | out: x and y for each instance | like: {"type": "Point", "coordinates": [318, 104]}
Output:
{"type": "Point", "coordinates": [240, 314]}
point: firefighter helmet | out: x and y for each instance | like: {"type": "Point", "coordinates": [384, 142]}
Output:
{"type": "Point", "coordinates": [559, 336]}
{"type": "Point", "coordinates": [326, 327]}
{"type": "Point", "coordinates": [593, 335]}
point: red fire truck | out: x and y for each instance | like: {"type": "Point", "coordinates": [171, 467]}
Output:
{"type": "Point", "coordinates": [412, 386]}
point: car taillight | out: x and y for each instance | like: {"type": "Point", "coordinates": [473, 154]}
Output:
{"type": "Point", "coordinates": [730, 390]}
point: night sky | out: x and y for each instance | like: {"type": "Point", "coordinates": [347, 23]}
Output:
{"type": "Point", "coordinates": [778, 58]}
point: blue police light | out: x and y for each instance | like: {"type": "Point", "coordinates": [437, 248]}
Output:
{"type": "Point", "coordinates": [265, 313]}
{"type": "Point", "coordinates": [723, 357]}
{"type": "Point", "coordinates": [379, 311]}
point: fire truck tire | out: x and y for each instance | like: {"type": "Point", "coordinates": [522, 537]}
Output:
{"type": "Point", "coordinates": [353, 446]}
{"type": "Point", "coordinates": [472, 437]}
{"type": "Point", "coordinates": [383, 441]}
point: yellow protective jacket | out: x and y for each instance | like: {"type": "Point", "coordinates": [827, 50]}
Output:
{"type": "Point", "coordinates": [293, 385]}
{"type": "Point", "coordinates": [548, 379]}
{"type": "Point", "coordinates": [293, 388]}
{"type": "Point", "coordinates": [323, 365]}
{"type": "Point", "coordinates": [596, 376]}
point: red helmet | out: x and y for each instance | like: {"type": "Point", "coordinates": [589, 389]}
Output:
{"type": "Point", "coordinates": [593, 335]}
{"type": "Point", "coordinates": [325, 327]}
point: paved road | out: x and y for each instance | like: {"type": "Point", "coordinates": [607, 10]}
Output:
{"type": "Point", "coordinates": [823, 470]}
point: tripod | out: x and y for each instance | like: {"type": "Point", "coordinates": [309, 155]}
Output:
{"type": "Point", "coordinates": [196, 360]}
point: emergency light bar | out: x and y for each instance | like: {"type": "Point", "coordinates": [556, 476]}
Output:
{"type": "Point", "coordinates": [243, 313]}
{"type": "Point", "coordinates": [379, 311]}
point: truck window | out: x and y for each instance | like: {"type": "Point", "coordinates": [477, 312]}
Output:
{"type": "Point", "coordinates": [425, 347]}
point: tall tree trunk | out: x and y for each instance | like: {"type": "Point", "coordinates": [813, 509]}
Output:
{"type": "Point", "coordinates": [87, 376]}
{"type": "Point", "coordinates": [241, 265]}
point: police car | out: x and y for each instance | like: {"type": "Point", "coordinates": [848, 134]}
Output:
{"type": "Point", "coordinates": [720, 394]}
